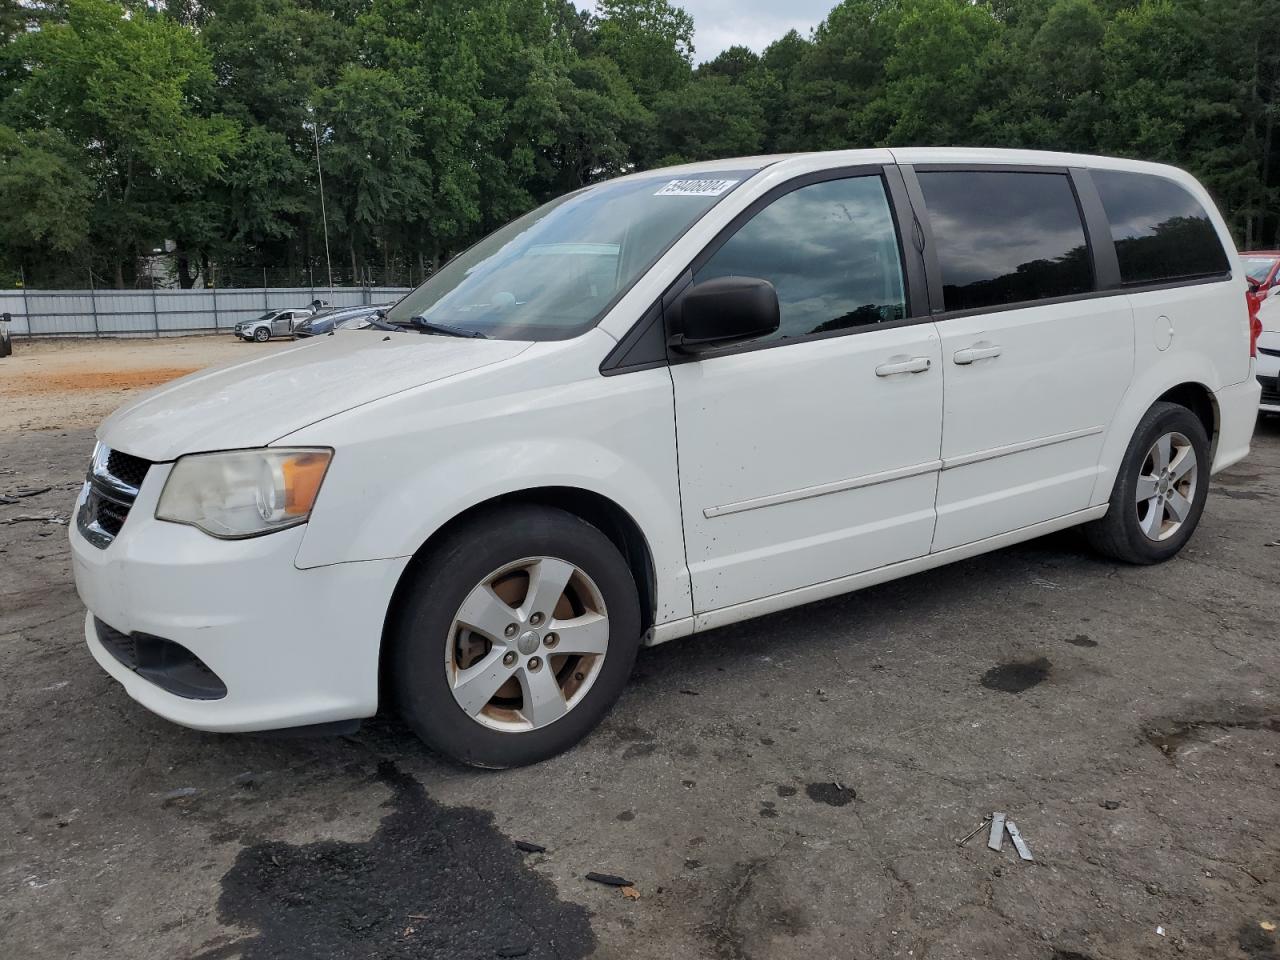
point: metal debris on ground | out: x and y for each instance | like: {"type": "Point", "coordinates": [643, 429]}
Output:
{"type": "Point", "coordinates": [30, 491]}
{"type": "Point", "coordinates": [609, 880]}
{"type": "Point", "coordinates": [529, 847]}
{"type": "Point", "coordinates": [1018, 843]}
{"type": "Point", "coordinates": [178, 795]}
{"type": "Point", "coordinates": [26, 518]}
{"type": "Point", "coordinates": [976, 830]}
{"type": "Point", "coordinates": [1000, 825]}
{"type": "Point", "coordinates": [996, 837]}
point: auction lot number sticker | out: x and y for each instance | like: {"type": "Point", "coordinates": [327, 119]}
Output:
{"type": "Point", "coordinates": [695, 188]}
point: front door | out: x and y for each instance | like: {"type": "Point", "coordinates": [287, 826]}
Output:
{"type": "Point", "coordinates": [811, 454]}
{"type": "Point", "coordinates": [1034, 365]}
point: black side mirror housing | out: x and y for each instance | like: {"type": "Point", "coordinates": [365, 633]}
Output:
{"type": "Point", "coordinates": [725, 310]}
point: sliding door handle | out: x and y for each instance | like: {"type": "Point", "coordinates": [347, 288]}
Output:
{"type": "Point", "coordinates": [980, 351]}
{"type": "Point", "coordinates": [907, 365]}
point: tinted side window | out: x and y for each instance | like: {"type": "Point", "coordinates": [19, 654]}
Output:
{"type": "Point", "coordinates": [831, 251]}
{"type": "Point", "coordinates": [1161, 231]}
{"type": "Point", "coordinates": [1006, 237]}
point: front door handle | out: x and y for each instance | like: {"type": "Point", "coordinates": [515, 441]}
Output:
{"type": "Point", "coordinates": [906, 365]}
{"type": "Point", "coordinates": [979, 351]}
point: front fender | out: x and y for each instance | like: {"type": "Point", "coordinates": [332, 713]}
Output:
{"type": "Point", "coordinates": [406, 465]}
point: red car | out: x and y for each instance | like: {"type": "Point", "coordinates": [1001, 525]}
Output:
{"type": "Point", "coordinates": [1262, 268]}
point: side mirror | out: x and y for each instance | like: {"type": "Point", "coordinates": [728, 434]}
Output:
{"type": "Point", "coordinates": [715, 313]}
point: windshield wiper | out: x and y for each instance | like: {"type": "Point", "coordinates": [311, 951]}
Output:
{"type": "Point", "coordinates": [423, 325]}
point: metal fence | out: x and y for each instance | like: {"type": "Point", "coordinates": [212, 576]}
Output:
{"type": "Point", "coordinates": [163, 313]}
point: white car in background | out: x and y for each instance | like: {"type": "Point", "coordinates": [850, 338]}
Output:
{"type": "Point", "coordinates": [656, 406]}
{"type": "Point", "coordinates": [1269, 354]}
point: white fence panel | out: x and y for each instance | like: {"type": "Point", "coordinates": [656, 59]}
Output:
{"type": "Point", "coordinates": [142, 313]}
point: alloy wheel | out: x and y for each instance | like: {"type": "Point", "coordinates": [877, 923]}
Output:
{"type": "Point", "coordinates": [1166, 486]}
{"type": "Point", "coordinates": [527, 644]}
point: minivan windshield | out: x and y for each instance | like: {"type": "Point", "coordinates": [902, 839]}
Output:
{"type": "Point", "coordinates": [552, 273]}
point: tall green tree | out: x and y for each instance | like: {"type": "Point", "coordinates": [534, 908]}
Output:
{"type": "Point", "coordinates": [651, 41]}
{"type": "Point", "coordinates": [128, 89]}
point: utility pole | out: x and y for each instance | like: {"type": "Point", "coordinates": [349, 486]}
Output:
{"type": "Point", "coordinates": [315, 132]}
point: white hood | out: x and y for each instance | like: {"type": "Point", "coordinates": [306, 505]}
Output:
{"type": "Point", "coordinates": [254, 403]}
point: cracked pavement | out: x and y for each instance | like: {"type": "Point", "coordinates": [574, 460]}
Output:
{"type": "Point", "coordinates": [788, 787]}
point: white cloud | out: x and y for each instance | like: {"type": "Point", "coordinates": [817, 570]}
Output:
{"type": "Point", "coordinates": [720, 24]}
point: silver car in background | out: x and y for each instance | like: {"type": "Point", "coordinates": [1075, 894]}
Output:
{"type": "Point", "coordinates": [273, 323]}
{"type": "Point", "coordinates": [339, 318]}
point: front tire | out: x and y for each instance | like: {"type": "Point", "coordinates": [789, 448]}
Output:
{"type": "Point", "coordinates": [1160, 491]}
{"type": "Point", "coordinates": [262, 335]}
{"type": "Point", "coordinates": [515, 637]}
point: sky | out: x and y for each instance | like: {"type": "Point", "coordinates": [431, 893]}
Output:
{"type": "Point", "coordinates": [720, 24]}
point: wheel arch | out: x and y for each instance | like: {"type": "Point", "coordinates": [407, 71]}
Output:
{"type": "Point", "coordinates": [1199, 399]}
{"type": "Point", "coordinates": [1185, 383]}
{"type": "Point", "coordinates": [594, 508]}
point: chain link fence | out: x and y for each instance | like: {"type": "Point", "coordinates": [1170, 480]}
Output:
{"type": "Point", "coordinates": [163, 313]}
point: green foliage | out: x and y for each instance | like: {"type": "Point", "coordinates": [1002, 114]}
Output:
{"type": "Point", "coordinates": [45, 199]}
{"type": "Point", "coordinates": [710, 117]}
{"type": "Point", "coordinates": [125, 124]}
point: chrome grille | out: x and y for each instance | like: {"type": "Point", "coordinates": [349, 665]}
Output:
{"type": "Point", "coordinates": [108, 494]}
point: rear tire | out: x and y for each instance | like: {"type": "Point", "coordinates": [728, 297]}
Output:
{"type": "Point", "coordinates": [487, 673]}
{"type": "Point", "coordinates": [1160, 491]}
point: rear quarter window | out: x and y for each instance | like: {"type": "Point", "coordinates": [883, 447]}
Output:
{"type": "Point", "coordinates": [1161, 232]}
{"type": "Point", "coordinates": [1005, 237]}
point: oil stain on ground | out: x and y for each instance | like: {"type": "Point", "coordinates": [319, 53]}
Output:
{"type": "Point", "coordinates": [1017, 676]}
{"type": "Point", "coordinates": [1082, 640]}
{"type": "Point", "coordinates": [832, 794]}
{"type": "Point", "coordinates": [433, 881]}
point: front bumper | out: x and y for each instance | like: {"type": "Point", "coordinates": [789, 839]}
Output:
{"type": "Point", "coordinates": [293, 647]}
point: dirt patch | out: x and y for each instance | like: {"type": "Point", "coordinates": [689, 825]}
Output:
{"type": "Point", "coordinates": [66, 382]}
{"type": "Point", "coordinates": [1167, 736]}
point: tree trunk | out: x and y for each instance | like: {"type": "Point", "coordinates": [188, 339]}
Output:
{"type": "Point", "coordinates": [186, 279]}
{"type": "Point", "coordinates": [119, 273]}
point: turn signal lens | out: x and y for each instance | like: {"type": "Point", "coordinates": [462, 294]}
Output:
{"type": "Point", "coordinates": [302, 476]}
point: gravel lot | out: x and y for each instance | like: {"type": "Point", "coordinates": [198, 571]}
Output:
{"type": "Point", "coordinates": [789, 787]}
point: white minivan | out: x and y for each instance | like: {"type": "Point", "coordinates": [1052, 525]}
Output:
{"type": "Point", "coordinates": [656, 406]}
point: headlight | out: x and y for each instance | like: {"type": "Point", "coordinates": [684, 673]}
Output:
{"type": "Point", "coordinates": [244, 493]}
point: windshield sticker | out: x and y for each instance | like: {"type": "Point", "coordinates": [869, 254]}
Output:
{"type": "Point", "coordinates": [696, 188]}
